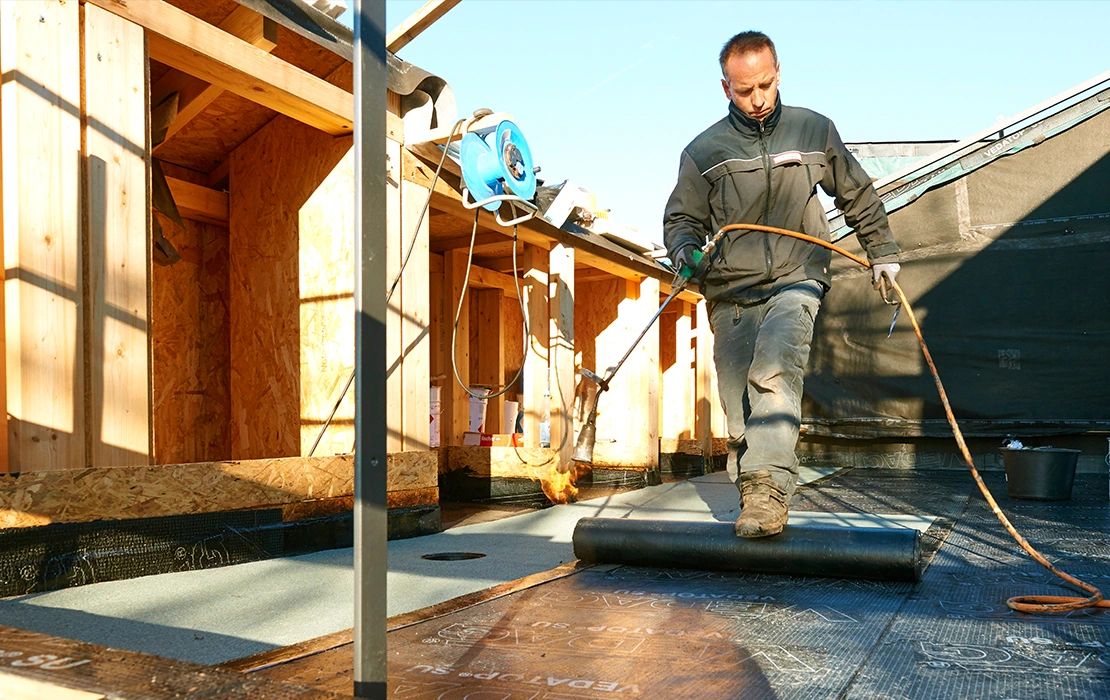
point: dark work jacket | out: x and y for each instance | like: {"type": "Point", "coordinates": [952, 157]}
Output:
{"type": "Point", "coordinates": [740, 171]}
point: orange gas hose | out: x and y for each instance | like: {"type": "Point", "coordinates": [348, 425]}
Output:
{"type": "Point", "coordinates": [1027, 604]}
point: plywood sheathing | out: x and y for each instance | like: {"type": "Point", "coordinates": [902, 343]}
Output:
{"type": "Point", "coordinates": [676, 350]}
{"type": "Point", "coordinates": [191, 346]}
{"type": "Point", "coordinates": [534, 266]}
{"type": "Point", "coordinates": [610, 315]}
{"type": "Point", "coordinates": [416, 340]}
{"type": "Point", "coordinates": [273, 174]}
{"type": "Point", "coordinates": [710, 416]}
{"type": "Point", "coordinates": [221, 128]}
{"type": "Point", "coordinates": [40, 101]}
{"type": "Point", "coordinates": [327, 311]}
{"type": "Point", "coordinates": [534, 463]}
{"type": "Point", "coordinates": [112, 493]}
{"type": "Point", "coordinates": [117, 211]}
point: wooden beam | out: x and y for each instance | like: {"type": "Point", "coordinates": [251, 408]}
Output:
{"type": "Point", "coordinates": [592, 274]}
{"type": "Point", "coordinates": [416, 23]}
{"type": "Point", "coordinates": [481, 278]}
{"type": "Point", "coordinates": [394, 347]}
{"type": "Point", "coordinates": [535, 265]}
{"type": "Point", "coordinates": [416, 331]}
{"type": "Point", "coordinates": [561, 302]}
{"type": "Point", "coordinates": [645, 385]}
{"type": "Point", "coordinates": [116, 215]}
{"type": "Point", "coordinates": [481, 241]}
{"type": "Point", "coordinates": [182, 41]}
{"type": "Point", "coordinates": [219, 175]}
{"type": "Point", "coordinates": [678, 379]}
{"type": "Point", "coordinates": [705, 390]}
{"type": "Point", "coordinates": [193, 94]}
{"type": "Point", "coordinates": [199, 203]}
{"type": "Point", "coordinates": [491, 353]}
{"type": "Point", "coordinates": [456, 402]}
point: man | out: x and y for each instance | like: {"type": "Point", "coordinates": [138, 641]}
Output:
{"type": "Point", "coordinates": [761, 164]}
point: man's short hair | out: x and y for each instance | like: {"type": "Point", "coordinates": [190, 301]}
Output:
{"type": "Point", "coordinates": [746, 42]}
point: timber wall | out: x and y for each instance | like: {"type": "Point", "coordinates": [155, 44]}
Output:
{"type": "Point", "coordinates": [144, 382]}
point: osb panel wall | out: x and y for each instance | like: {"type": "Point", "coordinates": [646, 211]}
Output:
{"type": "Point", "coordinates": [272, 176]}
{"type": "Point", "coordinates": [327, 311]}
{"type": "Point", "coordinates": [607, 318]}
{"type": "Point", "coordinates": [191, 339]}
{"type": "Point", "coordinates": [114, 493]}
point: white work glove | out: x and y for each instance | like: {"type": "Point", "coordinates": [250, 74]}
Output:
{"type": "Point", "coordinates": [890, 271]}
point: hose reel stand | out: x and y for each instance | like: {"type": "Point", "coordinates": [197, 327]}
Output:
{"type": "Point", "coordinates": [497, 167]}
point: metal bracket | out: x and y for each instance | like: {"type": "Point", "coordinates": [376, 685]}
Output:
{"type": "Point", "coordinates": [513, 199]}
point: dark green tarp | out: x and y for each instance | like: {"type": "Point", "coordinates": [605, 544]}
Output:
{"type": "Point", "coordinates": [1007, 271]}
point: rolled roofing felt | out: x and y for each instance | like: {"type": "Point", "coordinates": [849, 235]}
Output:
{"type": "Point", "coordinates": [878, 554]}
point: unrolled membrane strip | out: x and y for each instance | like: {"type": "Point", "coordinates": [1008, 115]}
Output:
{"type": "Point", "coordinates": [880, 554]}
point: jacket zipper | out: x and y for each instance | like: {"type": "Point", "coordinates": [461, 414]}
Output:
{"type": "Point", "coordinates": [767, 200]}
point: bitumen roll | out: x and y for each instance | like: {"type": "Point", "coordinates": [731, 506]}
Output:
{"type": "Point", "coordinates": [879, 554]}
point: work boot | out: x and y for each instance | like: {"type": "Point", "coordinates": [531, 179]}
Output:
{"type": "Point", "coordinates": [764, 505]}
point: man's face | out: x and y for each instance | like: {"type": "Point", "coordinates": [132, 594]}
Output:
{"type": "Point", "coordinates": [751, 82]}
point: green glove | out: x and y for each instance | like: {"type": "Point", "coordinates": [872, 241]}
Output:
{"type": "Point", "coordinates": [689, 261]}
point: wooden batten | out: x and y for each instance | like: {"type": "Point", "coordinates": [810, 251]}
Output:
{"type": "Point", "coordinates": [39, 99]}
{"type": "Point", "coordinates": [416, 23]}
{"type": "Point", "coordinates": [116, 493]}
{"type": "Point", "coordinates": [561, 352]}
{"type": "Point", "coordinates": [199, 203]}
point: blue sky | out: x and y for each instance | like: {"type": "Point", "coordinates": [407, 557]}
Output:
{"type": "Point", "coordinates": [608, 92]}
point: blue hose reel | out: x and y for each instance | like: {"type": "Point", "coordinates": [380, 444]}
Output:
{"type": "Point", "coordinates": [497, 163]}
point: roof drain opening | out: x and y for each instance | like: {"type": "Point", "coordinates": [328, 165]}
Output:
{"type": "Point", "coordinates": [452, 556]}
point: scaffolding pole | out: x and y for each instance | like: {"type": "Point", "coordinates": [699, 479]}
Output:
{"type": "Point", "coordinates": [370, 312]}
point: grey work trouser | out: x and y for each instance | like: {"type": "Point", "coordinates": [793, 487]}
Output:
{"type": "Point", "coordinates": [761, 352]}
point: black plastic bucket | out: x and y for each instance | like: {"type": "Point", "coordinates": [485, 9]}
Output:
{"type": "Point", "coordinates": [1040, 474]}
